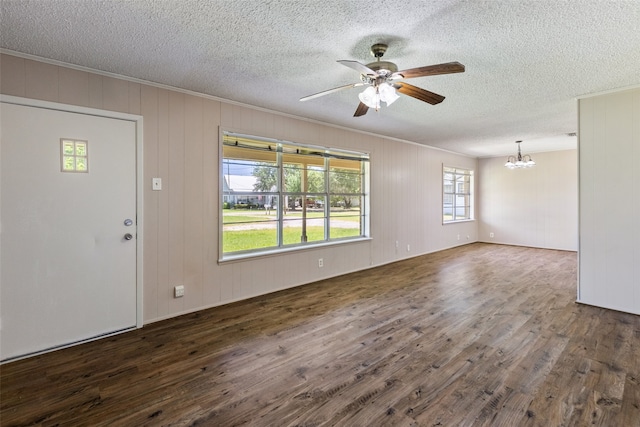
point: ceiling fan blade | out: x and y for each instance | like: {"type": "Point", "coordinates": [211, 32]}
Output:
{"type": "Point", "coordinates": [326, 92]}
{"type": "Point", "coordinates": [361, 68]}
{"type": "Point", "coordinates": [361, 110]}
{"type": "Point", "coordinates": [418, 93]}
{"type": "Point", "coordinates": [430, 70]}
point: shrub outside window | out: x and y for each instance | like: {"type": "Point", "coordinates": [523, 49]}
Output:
{"type": "Point", "coordinates": [457, 194]}
{"type": "Point", "coordinates": [279, 194]}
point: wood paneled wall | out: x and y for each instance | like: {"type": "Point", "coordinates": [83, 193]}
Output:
{"type": "Point", "coordinates": [609, 269]}
{"type": "Point", "coordinates": [535, 207]}
{"type": "Point", "coordinates": [181, 221]}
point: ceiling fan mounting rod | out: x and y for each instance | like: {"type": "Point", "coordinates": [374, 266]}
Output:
{"type": "Point", "coordinates": [378, 50]}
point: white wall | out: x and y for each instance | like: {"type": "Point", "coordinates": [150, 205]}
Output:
{"type": "Point", "coordinates": [535, 207]}
{"type": "Point", "coordinates": [609, 267]}
{"type": "Point", "coordinates": [181, 222]}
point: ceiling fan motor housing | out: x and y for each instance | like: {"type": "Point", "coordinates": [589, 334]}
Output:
{"type": "Point", "coordinates": [381, 66]}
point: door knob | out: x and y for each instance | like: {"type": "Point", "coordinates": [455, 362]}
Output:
{"type": "Point", "coordinates": [128, 236]}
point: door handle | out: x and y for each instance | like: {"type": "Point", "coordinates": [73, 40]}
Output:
{"type": "Point", "coordinates": [128, 236]}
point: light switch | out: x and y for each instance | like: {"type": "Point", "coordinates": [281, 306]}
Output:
{"type": "Point", "coordinates": [156, 184]}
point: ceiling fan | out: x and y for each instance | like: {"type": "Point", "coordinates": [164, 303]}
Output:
{"type": "Point", "coordinates": [382, 77]}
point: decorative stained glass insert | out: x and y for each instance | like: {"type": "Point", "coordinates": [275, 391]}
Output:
{"type": "Point", "coordinates": [74, 155]}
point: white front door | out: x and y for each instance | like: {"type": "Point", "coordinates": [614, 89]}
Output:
{"type": "Point", "coordinates": [68, 228]}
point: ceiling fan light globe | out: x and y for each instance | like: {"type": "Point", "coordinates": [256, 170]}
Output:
{"type": "Point", "coordinates": [388, 93]}
{"type": "Point", "coordinates": [370, 97]}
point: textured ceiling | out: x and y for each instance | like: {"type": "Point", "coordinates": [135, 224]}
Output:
{"type": "Point", "coordinates": [526, 61]}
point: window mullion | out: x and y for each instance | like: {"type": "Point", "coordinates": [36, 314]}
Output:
{"type": "Point", "coordinates": [281, 199]}
{"type": "Point", "coordinates": [327, 200]}
{"type": "Point", "coordinates": [304, 186]}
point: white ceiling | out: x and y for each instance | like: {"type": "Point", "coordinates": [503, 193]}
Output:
{"type": "Point", "coordinates": [526, 61]}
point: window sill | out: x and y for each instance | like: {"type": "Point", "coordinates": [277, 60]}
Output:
{"type": "Point", "coordinates": [458, 221]}
{"type": "Point", "coordinates": [293, 249]}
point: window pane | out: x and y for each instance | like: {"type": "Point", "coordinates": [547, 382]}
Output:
{"type": "Point", "coordinates": [315, 180]}
{"type": "Point", "coordinates": [250, 227]}
{"type": "Point", "coordinates": [346, 224]}
{"type": "Point", "coordinates": [248, 176]}
{"type": "Point", "coordinates": [81, 164]}
{"type": "Point", "coordinates": [292, 230]}
{"type": "Point", "coordinates": [315, 228]}
{"type": "Point", "coordinates": [247, 236]}
{"type": "Point", "coordinates": [266, 177]}
{"type": "Point", "coordinates": [81, 149]}
{"type": "Point", "coordinates": [292, 178]}
{"type": "Point", "coordinates": [67, 148]}
{"type": "Point", "coordinates": [68, 163]}
{"type": "Point", "coordinates": [344, 181]}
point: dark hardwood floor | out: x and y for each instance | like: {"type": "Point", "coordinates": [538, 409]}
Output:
{"type": "Point", "coordinates": [481, 335]}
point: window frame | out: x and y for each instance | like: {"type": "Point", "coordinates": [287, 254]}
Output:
{"type": "Point", "coordinates": [455, 194]}
{"type": "Point", "coordinates": [282, 150]}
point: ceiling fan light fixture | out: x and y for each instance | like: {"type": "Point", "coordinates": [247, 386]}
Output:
{"type": "Point", "coordinates": [387, 93]}
{"type": "Point", "coordinates": [370, 97]}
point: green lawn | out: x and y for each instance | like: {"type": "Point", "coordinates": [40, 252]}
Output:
{"type": "Point", "coordinates": [241, 240]}
{"type": "Point", "coordinates": [234, 217]}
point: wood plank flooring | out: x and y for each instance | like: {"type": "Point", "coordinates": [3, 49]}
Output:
{"type": "Point", "coordinates": [480, 335]}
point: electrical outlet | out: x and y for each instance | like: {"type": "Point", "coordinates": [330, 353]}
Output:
{"type": "Point", "coordinates": [156, 184]}
{"type": "Point", "coordinates": [320, 263]}
{"type": "Point", "coordinates": [491, 234]}
{"type": "Point", "coordinates": [178, 291]}
{"type": "Point", "coordinates": [397, 244]}
{"type": "Point", "coordinates": [408, 248]}
{"type": "Point", "coordinates": [458, 237]}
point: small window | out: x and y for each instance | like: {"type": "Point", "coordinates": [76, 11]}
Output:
{"type": "Point", "coordinates": [457, 194]}
{"type": "Point", "coordinates": [74, 155]}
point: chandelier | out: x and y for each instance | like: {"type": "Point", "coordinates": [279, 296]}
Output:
{"type": "Point", "coordinates": [519, 161]}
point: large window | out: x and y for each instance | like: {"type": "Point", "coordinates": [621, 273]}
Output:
{"type": "Point", "coordinates": [457, 194]}
{"type": "Point", "coordinates": [278, 194]}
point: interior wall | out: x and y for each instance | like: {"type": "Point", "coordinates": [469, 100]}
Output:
{"type": "Point", "coordinates": [609, 263]}
{"type": "Point", "coordinates": [181, 221]}
{"type": "Point", "coordinates": [535, 207]}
